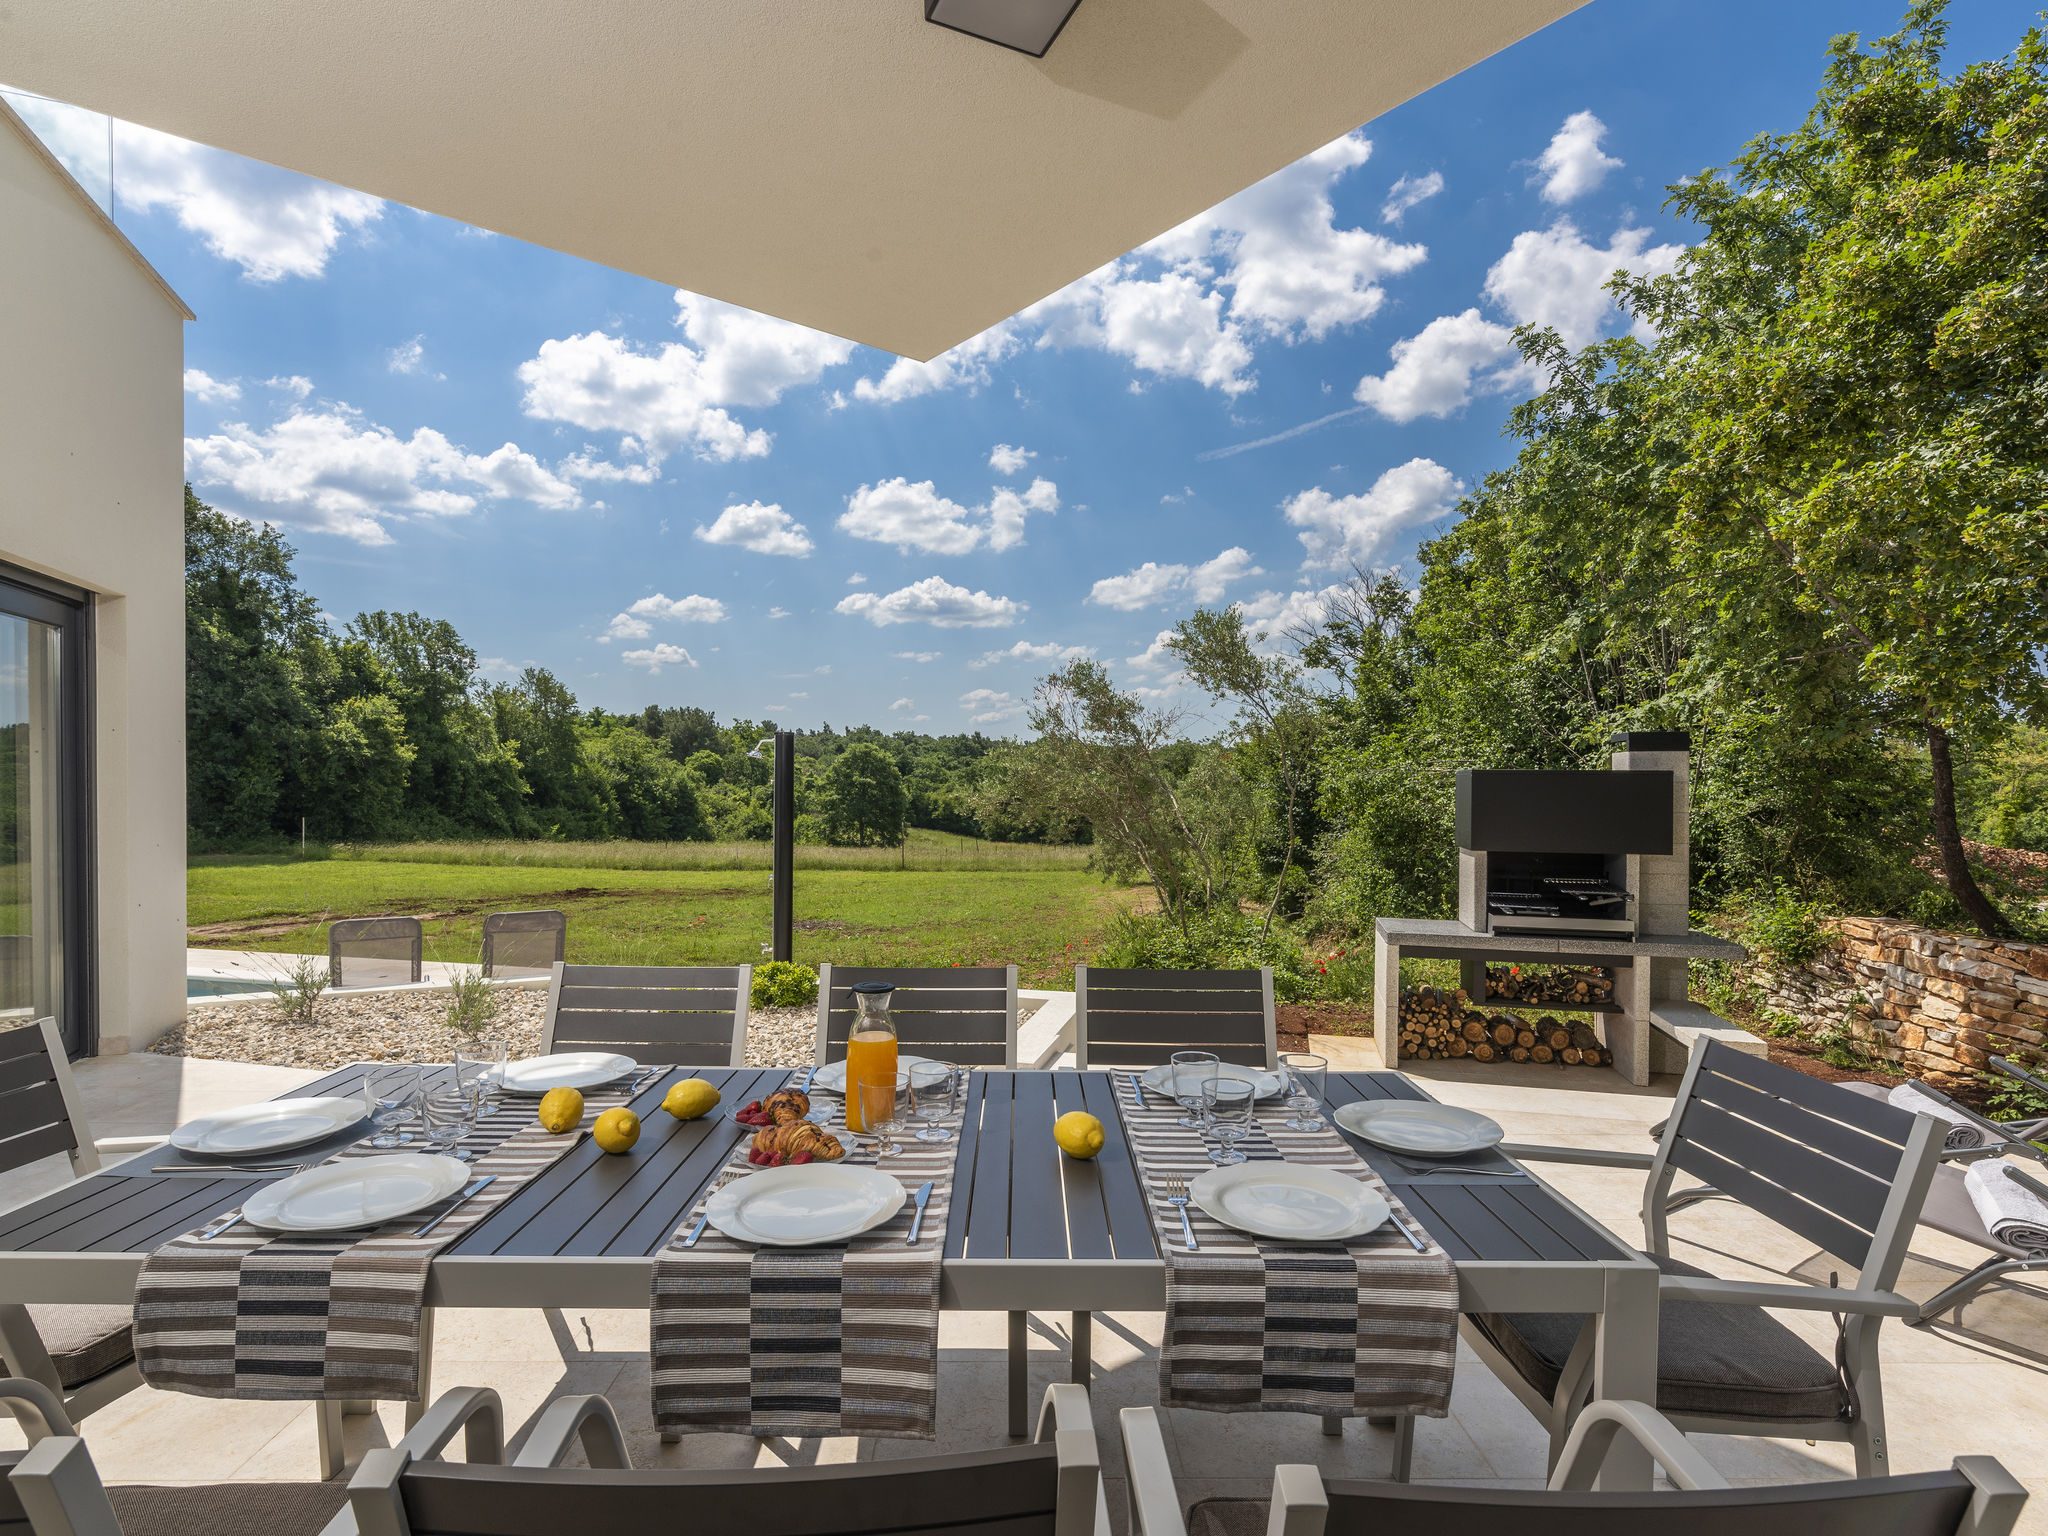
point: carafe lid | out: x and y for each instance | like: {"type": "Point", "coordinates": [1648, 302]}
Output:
{"type": "Point", "coordinates": [873, 988]}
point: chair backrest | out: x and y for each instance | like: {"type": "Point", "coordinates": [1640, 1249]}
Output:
{"type": "Point", "coordinates": [1140, 1018]}
{"type": "Point", "coordinates": [667, 1015]}
{"type": "Point", "coordinates": [524, 943]}
{"type": "Point", "coordinates": [963, 1014]}
{"type": "Point", "coordinates": [40, 1112]}
{"type": "Point", "coordinates": [1010, 1492]}
{"type": "Point", "coordinates": [1844, 1172]}
{"type": "Point", "coordinates": [1920, 1504]}
{"type": "Point", "coordinates": [374, 951]}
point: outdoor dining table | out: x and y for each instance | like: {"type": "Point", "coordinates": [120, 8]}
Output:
{"type": "Point", "coordinates": [1029, 1229]}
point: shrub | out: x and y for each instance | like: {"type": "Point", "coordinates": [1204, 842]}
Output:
{"type": "Point", "coordinates": [299, 986]}
{"type": "Point", "coordinates": [783, 984]}
{"type": "Point", "coordinates": [1787, 929]}
{"type": "Point", "coordinates": [1218, 939]}
{"type": "Point", "coordinates": [472, 1004]}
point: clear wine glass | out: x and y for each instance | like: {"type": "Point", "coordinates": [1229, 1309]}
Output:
{"type": "Point", "coordinates": [392, 1093]}
{"type": "Point", "coordinates": [1306, 1075]}
{"type": "Point", "coordinates": [931, 1098]}
{"type": "Point", "coordinates": [1187, 1075]}
{"type": "Point", "coordinates": [1227, 1109]}
{"type": "Point", "coordinates": [449, 1110]}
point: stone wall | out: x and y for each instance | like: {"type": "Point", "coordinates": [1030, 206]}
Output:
{"type": "Point", "coordinates": [1937, 1005]}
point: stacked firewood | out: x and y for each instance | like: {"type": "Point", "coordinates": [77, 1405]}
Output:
{"type": "Point", "coordinates": [1438, 1023]}
{"type": "Point", "coordinates": [1568, 986]}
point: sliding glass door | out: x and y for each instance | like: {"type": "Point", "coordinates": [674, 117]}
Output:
{"type": "Point", "coordinates": [45, 825]}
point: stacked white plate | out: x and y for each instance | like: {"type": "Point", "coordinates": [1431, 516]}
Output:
{"type": "Point", "coordinates": [1160, 1079]}
{"type": "Point", "coordinates": [1425, 1130]}
{"type": "Point", "coordinates": [275, 1126]}
{"type": "Point", "coordinates": [355, 1192]}
{"type": "Point", "coordinates": [832, 1076]}
{"type": "Point", "coordinates": [566, 1069]}
{"type": "Point", "coordinates": [800, 1207]}
{"type": "Point", "coordinates": [1293, 1201]}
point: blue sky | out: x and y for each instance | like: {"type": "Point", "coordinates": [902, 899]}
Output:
{"type": "Point", "coordinates": [664, 499]}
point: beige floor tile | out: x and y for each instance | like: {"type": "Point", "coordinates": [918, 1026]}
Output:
{"type": "Point", "coordinates": [563, 1335]}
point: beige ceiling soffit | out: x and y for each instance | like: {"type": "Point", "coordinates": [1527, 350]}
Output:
{"type": "Point", "coordinates": [840, 163]}
{"type": "Point", "coordinates": [62, 172]}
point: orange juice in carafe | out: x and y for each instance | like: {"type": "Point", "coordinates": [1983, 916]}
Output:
{"type": "Point", "coordinates": [870, 1047]}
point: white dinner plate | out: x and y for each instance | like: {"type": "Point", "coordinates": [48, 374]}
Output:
{"type": "Point", "coordinates": [566, 1069]}
{"type": "Point", "coordinates": [832, 1076]}
{"type": "Point", "coordinates": [798, 1207]}
{"type": "Point", "coordinates": [1429, 1130]}
{"type": "Point", "coordinates": [1270, 1086]}
{"type": "Point", "coordinates": [1294, 1201]}
{"type": "Point", "coordinates": [355, 1192]}
{"type": "Point", "coordinates": [270, 1127]}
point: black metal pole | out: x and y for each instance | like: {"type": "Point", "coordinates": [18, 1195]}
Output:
{"type": "Point", "coordinates": [785, 840]}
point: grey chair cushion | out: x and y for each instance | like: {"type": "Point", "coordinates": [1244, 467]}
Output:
{"type": "Point", "coordinates": [227, 1509]}
{"type": "Point", "coordinates": [1722, 1362]}
{"type": "Point", "coordinates": [85, 1342]}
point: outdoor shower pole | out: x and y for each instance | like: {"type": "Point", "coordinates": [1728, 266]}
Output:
{"type": "Point", "coordinates": [785, 840]}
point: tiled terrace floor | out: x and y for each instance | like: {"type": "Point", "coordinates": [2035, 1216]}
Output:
{"type": "Point", "coordinates": [1979, 1388]}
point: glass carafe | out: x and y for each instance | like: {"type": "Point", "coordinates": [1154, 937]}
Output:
{"type": "Point", "coordinates": [870, 1046]}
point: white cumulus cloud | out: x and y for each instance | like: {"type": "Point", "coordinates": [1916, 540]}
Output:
{"type": "Point", "coordinates": [1408, 192]}
{"type": "Point", "coordinates": [761, 527]}
{"type": "Point", "coordinates": [987, 707]}
{"type": "Point", "coordinates": [915, 655]}
{"type": "Point", "coordinates": [913, 515]}
{"type": "Point", "coordinates": [1155, 657]}
{"type": "Point", "coordinates": [1573, 164]}
{"type": "Point", "coordinates": [1153, 583]}
{"type": "Point", "coordinates": [411, 357]}
{"type": "Point", "coordinates": [1440, 369]}
{"type": "Point", "coordinates": [1557, 277]}
{"type": "Point", "coordinates": [1025, 650]}
{"type": "Point", "coordinates": [1172, 325]}
{"type": "Point", "coordinates": [636, 623]}
{"type": "Point", "coordinates": [657, 657]}
{"type": "Point", "coordinates": [1006, 460]}
{"type": "Point", "coordinates": [208, 390]}
{"type": "Point", "coordinates": [966, 366]}
{"type": "Point", "coordinates": [934, 601]}
{"type": "Point", "coordinates": [1340, 530]}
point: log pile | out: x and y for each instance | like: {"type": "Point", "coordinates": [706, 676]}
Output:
{"type": "Point", "coordinates": [1567, 987]}
{"type": "Point", "coordinates": [1437, 1023]}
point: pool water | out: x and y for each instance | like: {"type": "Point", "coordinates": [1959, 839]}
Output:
{"type": "Point", "coordinates": [223, 986]}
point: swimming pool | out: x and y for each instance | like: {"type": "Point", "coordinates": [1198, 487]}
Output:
{"type": "Point", "coordinates": [223, 986]}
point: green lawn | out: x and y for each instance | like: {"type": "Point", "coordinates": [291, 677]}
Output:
{"type": "Point", "coordinates": [1043, 920]}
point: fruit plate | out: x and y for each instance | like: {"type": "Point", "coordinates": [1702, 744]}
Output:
{"type": "Point", "coordinates": [1270, 1086]}
{"type": "Point", "coordinates": [801, 1207]}
{"type": "Point", "coordinates": [1292, 1201]}
{"type": "Point", "coordinates": [566, 1069]}
{"type": "Point", "coordinates": [832, 1076]}
{"type": "Point", "coordinates": [355, 1192]}
{"type": "Point", "coordinates": [269, 1127]}
{"type": "Point", "coordinates": [1426, 1130]}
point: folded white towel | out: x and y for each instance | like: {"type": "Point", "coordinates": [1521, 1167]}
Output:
{"type": "Point", "coordinates": [2013, 1213]}
{"type": "Point", "coordinates": [1961, 1131]}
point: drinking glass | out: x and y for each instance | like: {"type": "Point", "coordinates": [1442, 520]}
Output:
{"type": "Point", "coordinates": [480, 1066]}
{"type": "Point", "coordinates": [449, 1109]}
{"type": "Point", "coordinates": [880, 1112]}
{"type": "Point", "coordinates": [931, 1098]}
{"type": "Point", "coordinates": [1227, 1109]}
{"type": "Point", "coordinates": [1305, 1084]}
{"type": "Point", "coordinates": [1188, 1074]}
{"type": "Point", "coordinates": [391, 1094]}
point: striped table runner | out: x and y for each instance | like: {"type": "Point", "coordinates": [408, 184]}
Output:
{"type": "Point", "coordinates": [252, 1315]}
{"type": "Point", "coordinates": [1364, 1327]}
{"type": "Point", "coordinates": [841, 1339]}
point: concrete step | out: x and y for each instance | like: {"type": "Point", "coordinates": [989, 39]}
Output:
{"type": "Point", "coordinates": [1676, 1026]}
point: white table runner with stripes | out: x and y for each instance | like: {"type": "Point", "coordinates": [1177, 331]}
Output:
{"type": "Point", "coordinates": [252, 1314]}
{"type": "Point", "coordinates": [840, 1339]}
{"type": "Point", "coordinates": [1340, 1329]}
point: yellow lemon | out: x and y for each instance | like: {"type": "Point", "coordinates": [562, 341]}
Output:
{"type": "Point", "coordinates": [1078, 1133]}
{"type": "Point", "coordinates": [616, 1130]}
{"type": "Point", "coordinates": [561, 1109]}
{"type": "Point", "coordinates": [690, 1099]}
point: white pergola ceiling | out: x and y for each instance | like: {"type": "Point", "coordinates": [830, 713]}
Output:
{"type": "Point", "coordinates": [840, 163]}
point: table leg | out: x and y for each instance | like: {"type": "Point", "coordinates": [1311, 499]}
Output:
{"type": "Point", "coordinates": [1082, 1335]}
{"type": "Point", "coordinates": [1625, 1364]}
{"type": "Point", "coordinates": [1020, 1376]}
{"type": "Point", "coordinates": [1404, 1447]}
{"type": "Point", "coordinates": [327, 1423]}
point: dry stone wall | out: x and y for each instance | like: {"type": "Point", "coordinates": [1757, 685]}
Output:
{"type": "Point", "coordinates": [1938, 1005]}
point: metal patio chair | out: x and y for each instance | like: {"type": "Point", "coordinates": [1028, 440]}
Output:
{"type": "Point", "coordinates": [667, 1015]}
{"type": "Point", "coordinates": [374, 951]}
{"type": "Point", "coordinates": [1838, 1170]}
{"type": "Point", "coordinates": [524, 943]}
{"type": "Point", "coordinates": [1975, 1497]}
{"type": "Point", "coordinates": [963, 1014]}
{"type": "Point", "coordinates": [1140, 1018]}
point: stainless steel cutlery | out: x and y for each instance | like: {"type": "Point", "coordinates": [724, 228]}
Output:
{"type": "Point", "coordinates": [470, 1191]}
{"type": "Point", "coordinates": [1177, 1197]}
{"type": "Point", "coordinates": [731, 1175]}
{"type": "Point", "coordinates": [920, 1198]}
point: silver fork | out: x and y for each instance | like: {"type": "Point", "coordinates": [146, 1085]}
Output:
{"type": "Point", "coordinates": [219, 1224]}
{"type": "Point", "coordinates": [1177, 1197]}
{"type": "Point", "coordinates": [729, 1176]}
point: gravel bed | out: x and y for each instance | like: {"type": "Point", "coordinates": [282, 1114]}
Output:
{"type": "Point", "coordinates": [408, 1026]}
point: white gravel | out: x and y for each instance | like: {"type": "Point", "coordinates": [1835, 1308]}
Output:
{"type": "Point", "coordinates": [408, 1026]}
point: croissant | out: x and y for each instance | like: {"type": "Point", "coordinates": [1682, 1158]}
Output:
{"type": "Point", "coordinates": [779, 1144]}
{"type": "Point", "coordinates": [787, 1104]}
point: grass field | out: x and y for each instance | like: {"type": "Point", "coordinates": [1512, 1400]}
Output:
{"type": "Point", "coordinates": [1045, 920]}
{"type": "Point", "coordinates": [924, 850]}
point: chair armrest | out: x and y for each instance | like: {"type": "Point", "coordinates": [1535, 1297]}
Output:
{"type": "Point", "coordinates": [476, 1411]}
{"type": "Point", "coordinates": [114, 1146]}
{"type": "Point", "coordinates": [1996, 1498]}
{"type": "Point", "coordinates": [1800, 1298]}
{"type": "Point", "coordinates": [39, 1411]}
{"type": "Point", "coordinates": [1300, 1505]}
{"type": "Point", "coordinates": [61, 1491]}
{"type": "Point", "coordinates": [589, 1419]}
{"type": "Point", "coordinates": [1154, 1505]}
{"type": "Point", "coordinates": [1594, 1431]}
{"type": "Point", "coordinates": [1593, 1157]}
{"type": "Point", "coordinates": [1082, 1504]}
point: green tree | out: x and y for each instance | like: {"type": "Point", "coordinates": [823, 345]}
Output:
{"type": "Point", "coordinates": [864, 799]}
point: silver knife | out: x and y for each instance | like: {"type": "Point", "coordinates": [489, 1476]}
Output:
{"type": "Point", "coordinates": [470, 1191]}
{"type": "Point", "coordinates": [1413, 1241]}
{"type": "Point", "coordinates": [923, 1194]}
{"type": "Point", "coordinates": [214, 1170]}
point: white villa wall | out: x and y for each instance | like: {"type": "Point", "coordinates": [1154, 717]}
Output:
{"type": "Point", "coordinates": [91, 492]}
